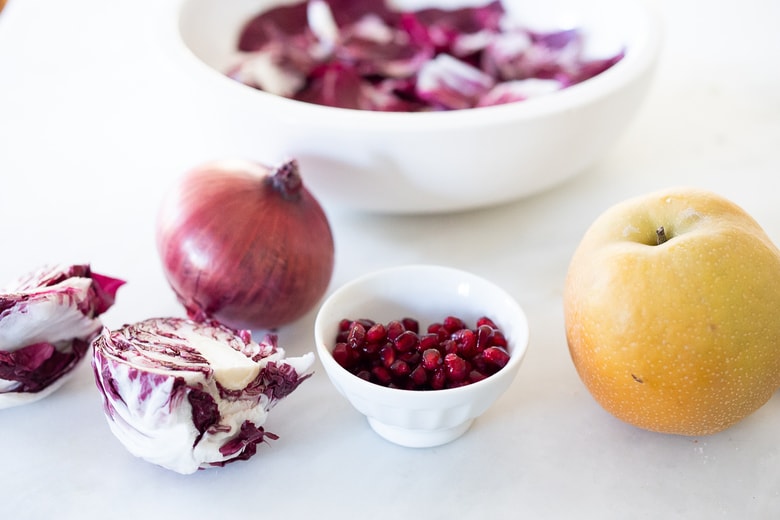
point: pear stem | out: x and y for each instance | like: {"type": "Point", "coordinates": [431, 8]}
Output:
{"type": "Point", "coordinates": [660, 235]}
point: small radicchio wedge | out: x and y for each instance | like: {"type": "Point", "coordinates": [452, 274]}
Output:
{"type": "Point", "coordinates": [186, 395]}
{"type": "Point", "coordinates": [47, 320]}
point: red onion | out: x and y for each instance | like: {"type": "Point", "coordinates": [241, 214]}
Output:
{"type": "Point", "coordinates": [245, 244]}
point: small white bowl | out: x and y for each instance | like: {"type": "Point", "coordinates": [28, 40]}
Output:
{"type": "Point", "coordinates": [435, 161]}
{"type": "Point", "coordinates": [429, 293]}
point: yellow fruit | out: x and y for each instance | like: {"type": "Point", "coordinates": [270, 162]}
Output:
{"type": "Point", "coordinates": [683, 336]}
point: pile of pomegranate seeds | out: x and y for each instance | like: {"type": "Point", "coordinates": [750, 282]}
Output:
{"type": "Point", "coordinates": [397, 355]}
{"type": "Point", "coordinates": [365, 55]}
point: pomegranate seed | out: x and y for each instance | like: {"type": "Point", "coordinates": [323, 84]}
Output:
{"type": "Point", "coordinates": [411, 324]}
{"type": "Point", "coordinates": [412, 357]}
{"type": "Point", "coordinates": [496, 356]}
{"type": "Point", "coordinates": [396, 355]}
{"type": "Point", "coordinates": [439, 330]}
{"type": "Point", "coordinates": [357, 335]}
{"type": "Point", "coordinates": [453, 323]}
{"type": "Point", "coordinates": [394, 329]}
{"type": "Point", "coordinates": [484, 337]}
{"type": "Point", "coordinates": [466, 342]}
{"type": "Point", "coordinates": [370, 350]}
{"type": "Point", "coordinates": [455, 367]}
{"type": "Point", "coordinates": [419, 376]}
{"type": "Point", "coordinates": [428, 341]}
{"type": "Point", "coordinates": [387, 355]}
{"type": "Point", "coordinates": [342, 355]}
{"type": "Point", "coordinates": [484, 320]}
{"type": "Point", "coordinates": [367, 324]}
{"type": "Point", "coordinates": [431, 359]}
{"type": "Point", "coordinates": [448, 346]}
{"type": "Point", "coordinates": [479, 363]}
{"type": "Point", "coordinates": [476, 375]}
{"type": "Point", "coordinates": [406, 341]}
{"type": "Point", "coordinates": [400, 369]}
{"type": "Point", "coordinates": [377, 333]}
{"type": "Point", "coordinates": [381, 375]}
{"type": "Point", "coordinates": [499, 340]}
{"type": "Point", "coordinates": [438, 379]}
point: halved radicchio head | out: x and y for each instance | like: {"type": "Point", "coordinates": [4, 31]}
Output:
{"type": "Point", "coordinates": [366, 55]}
{"type": "Point", "coordinates": [186, 395]}
{"type": "Point", "coordinates": [47, 320]}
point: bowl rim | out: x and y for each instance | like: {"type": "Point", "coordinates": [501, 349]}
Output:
{"type": "Point", "coordinates": [421, 397]}
{"type": "Point", "coordinates": [640, 57]}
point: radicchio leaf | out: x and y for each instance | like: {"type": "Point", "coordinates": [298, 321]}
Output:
{"type": "Point", "coordinates": [188, 395]}
{"type": "Point", "coordinates": [244, 445]}
{"type": "Point", "coordinates": [518, 90]}
{"type": "Point", "coordinates": [367, 56]}
{"type": "Point", "coordinates": [443, 28]}
{"type": "Point", "coordinates": [47, 320]}
{"type": "Point", "coordinates": [451, 83]}
{"type": "Point", "coordinates": [272, 24]}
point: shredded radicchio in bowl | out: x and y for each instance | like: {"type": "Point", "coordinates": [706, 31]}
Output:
{"type": "Point", "coordinates": [47, 320]}
{"type": "Point", "coordinates": [190, 395]}
{"type": "Point", "coordinates": [365, 55]}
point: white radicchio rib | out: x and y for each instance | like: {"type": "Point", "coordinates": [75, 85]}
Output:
{"type": "Point", "coordinates": [47, 320]}
{"type": "Point", "coordinates": [186, 395]}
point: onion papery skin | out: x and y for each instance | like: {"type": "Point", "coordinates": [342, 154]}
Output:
{"type": "Point", "coordinates": [236, 249]}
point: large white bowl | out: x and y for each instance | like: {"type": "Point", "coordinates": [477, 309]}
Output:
{"type": "Point", "coordinates": [429, 162]}
{"type": "Point", "coordinates": [429, 293]}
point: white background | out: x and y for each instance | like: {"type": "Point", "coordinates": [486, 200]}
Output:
{"type": "Point", "coordinates": [95, 121]}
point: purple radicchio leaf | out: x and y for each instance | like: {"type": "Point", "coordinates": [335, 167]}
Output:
{"type": "Point", "coordinates": [271, 70]}
{"type": "Point", "coordinates": [47, 320]}
{"type": "Point", "coordinates": [443, 28]}
{"type": "Point", "coordinates": [205, 411]}
{"type": "Point", "coordinates": [35, 367]}
{"type": "Point", "coordinates": [518, 90]}
{"type": "Point", "coordinates": [281, 21]}
{"type": "Point", "coordinates": [334, 84]}
{"type": "Point", "coordinates": [380, 51]}
{"type": "Point", "coordinates": [452, 84]}
{"type": "Point", "coordinates": [244, 445]}
{"type": "Point", "coordinates": [280, 380]}
{"type": "Point", "coordinates": [189, 395]}
{"type": "Point", "coordinates": [349, 12]}
{"type": "Point", "coordinates": [369, 56]}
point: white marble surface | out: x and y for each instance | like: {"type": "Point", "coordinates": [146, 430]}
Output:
{"type": "Point", "coordinates": [93, 118]}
